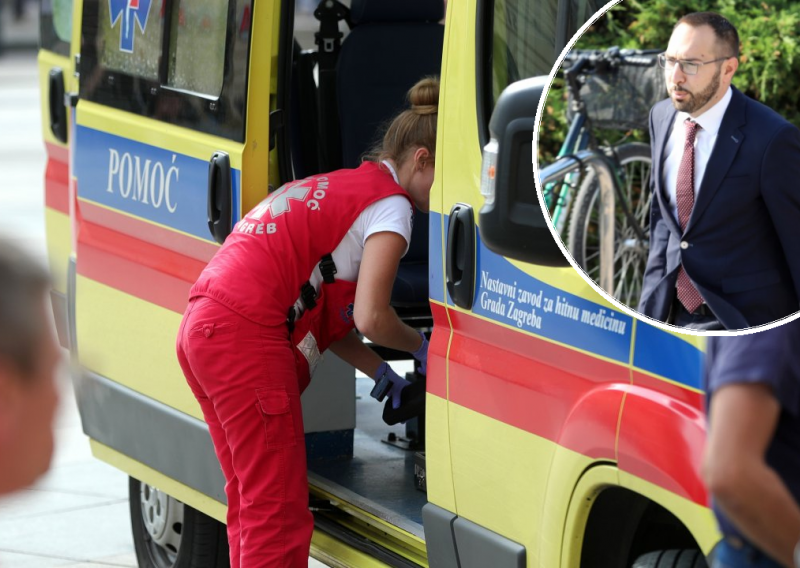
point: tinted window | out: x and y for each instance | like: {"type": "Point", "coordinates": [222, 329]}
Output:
{"type": "Point", "coordinates": [180, 61]}
{"type": "Point", "coordinates": [522, 39]}
{"type": "Point", "coordinates": [129, 37]}
{"type": "Point", "coordinates": [197, 46]}
{"type": "Point", "coordinates": [55, 25]}
{"type": "Point", "coordinates": [579, 13]}
{"type": "Point", "coordinates": [526, 37]}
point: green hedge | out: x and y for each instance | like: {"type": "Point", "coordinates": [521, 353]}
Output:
{"type": "Point", "coordinates": [769, 65]}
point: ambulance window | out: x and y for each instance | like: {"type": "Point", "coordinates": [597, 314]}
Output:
{"type": "Point", "coordinates": [183, 62]}
{"type": "Point", "coordinates": [579, 12]}
{"type": "Point", "coordinates": [523, 41]}
{"type": "Point", "coordinates": [55, 25]}
{"type": "Point", "coordinates": [129, 37]}
{"type": "Point", "coordinates": [520, 39]}
{"type": "Point", "coordinates": [197, 46]}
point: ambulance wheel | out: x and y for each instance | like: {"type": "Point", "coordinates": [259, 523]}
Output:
{"type": "Point", "coordinates": [671, 559]}
{"type": "Point", "coordinates": [169, 534]}
{"type": "Point", "coordinates": [630, 253]}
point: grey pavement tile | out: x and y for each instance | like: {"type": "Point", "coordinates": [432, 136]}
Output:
{"type": "Point", "coordinates": [72, 446]}
{"type": "Point", "coordinates": [33, 503]}
{"type": "Point", "coordinates": [86, 534]}
{"type": "Point", "coordinates": [91, 478]}
{"type": "Point", "coordinates": [15, 560]}
{"type": "Point", "coordinates": [125, 560]}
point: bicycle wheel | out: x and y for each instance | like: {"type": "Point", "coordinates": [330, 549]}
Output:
{"type": "Point", "coordinates": [630, 252]}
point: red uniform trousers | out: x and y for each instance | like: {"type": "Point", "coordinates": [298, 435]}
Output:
{"type": "Point", "coordinates": [244, 376]}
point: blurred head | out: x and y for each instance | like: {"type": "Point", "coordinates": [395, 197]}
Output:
{"type": "Point", "coordinates": [410, 142]}
{"type": "Point", "coordinates": [701, 37]}
{"type": "Point", "coordinates": [29, 357]}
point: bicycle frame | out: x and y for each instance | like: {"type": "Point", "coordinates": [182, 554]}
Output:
{"type": "Point", "coordinates": [608, 180]}
{"type": "Point", "coordinates": [577, 139]}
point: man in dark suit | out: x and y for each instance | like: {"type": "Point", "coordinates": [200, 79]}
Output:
{"type": "Point", "coordinates": [725, 219]}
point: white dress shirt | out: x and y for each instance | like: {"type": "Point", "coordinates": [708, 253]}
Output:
{"type": "Point", "coordinates": [709, 122]}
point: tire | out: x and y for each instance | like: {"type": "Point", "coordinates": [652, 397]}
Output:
{"type": "Point", "coordinates": [169, 534]}
{"type": "Point", "coordinates": [671, 559]}
{"type": "Point", "coordinates": [630, 254]}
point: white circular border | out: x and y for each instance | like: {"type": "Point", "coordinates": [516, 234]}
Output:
{"type": "Point", "coordinates": [616, 303]}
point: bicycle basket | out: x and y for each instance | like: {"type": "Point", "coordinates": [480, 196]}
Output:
{"type": "Point", "coordinates": [620, 97]}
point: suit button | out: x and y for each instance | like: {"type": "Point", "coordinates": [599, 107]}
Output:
{"type": "Point", "coordinates": [684, 245]}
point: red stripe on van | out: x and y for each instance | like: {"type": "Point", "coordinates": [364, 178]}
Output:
{"type": "Point", "coordinates": [543, 388]}
{"type": "Point", "coordinates": [149, 272]}
{"type": "Point", "coordinates": [437, 352]}
{"type": "Point", "coordinates": [662, 434]}
{"type": "Point", "coordinates": [141, 230]}
{"type": "Point", "coordinates": [56, 178]}
{"type": "Point", "coordinates": [574, 399]}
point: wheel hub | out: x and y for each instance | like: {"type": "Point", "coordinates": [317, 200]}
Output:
{"type": "Point", "coordinates": [163, 519]}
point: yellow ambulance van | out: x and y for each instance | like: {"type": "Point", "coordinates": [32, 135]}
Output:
{"type": "Point", "coordinates": [557, 432]}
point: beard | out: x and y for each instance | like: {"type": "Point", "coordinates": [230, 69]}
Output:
{"type": "Point", "coordinates": [696, 101]}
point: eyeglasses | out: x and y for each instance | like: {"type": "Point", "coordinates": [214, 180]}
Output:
{"type": "Point", "coordinates": [688, 67]}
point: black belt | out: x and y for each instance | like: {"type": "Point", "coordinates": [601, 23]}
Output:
{"type": "Point", "coordinates": [703, 310]}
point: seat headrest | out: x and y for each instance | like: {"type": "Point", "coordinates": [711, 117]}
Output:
{"type": "Point", "coordinates": [366, 11]}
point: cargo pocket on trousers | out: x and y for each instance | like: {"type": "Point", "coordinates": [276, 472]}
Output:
{"type": "Point", "coordinates": [276, 413]}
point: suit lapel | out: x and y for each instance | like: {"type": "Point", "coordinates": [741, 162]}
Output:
{"type": "Point", "coordinates": [658, 169]}
{"type": "Point", "coordinates": [729, 140]}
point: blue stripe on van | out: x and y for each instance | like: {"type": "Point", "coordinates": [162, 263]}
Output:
{"type": "Point", "coordinates": [146, 181]}
{"type": "Point", "coordinates": [435, 257]}
{"type": "Point", "coordinates": [667, 355]}
{"type": "Point", "coordinates": [656, 351]}
{"type": "Point", "coordinates": [508, 295]}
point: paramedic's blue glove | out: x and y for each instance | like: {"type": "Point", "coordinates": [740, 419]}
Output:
{"type": "Point", "coordinates": [421, 355]}
{"type": "Point", "coordinates": [388, 382]}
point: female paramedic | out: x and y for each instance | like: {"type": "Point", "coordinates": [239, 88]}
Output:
{"type": "Point", "coordinates": [316, 258]}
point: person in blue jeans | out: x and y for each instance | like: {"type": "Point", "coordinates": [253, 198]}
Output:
{"type": "Point", "coordinates": [752, 458]}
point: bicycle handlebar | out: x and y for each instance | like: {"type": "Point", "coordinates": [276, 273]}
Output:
{"type": "Point", "coordinates": [613, 56]}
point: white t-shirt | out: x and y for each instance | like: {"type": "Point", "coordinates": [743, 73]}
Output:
{"type": "Point", "coordinates": [394, 214]}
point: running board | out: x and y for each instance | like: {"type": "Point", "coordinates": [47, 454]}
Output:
{"type": "Point", "coordinates": [361, 543]}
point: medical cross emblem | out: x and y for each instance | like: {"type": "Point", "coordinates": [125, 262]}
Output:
{"type": "Point", "coordinates": [278, 202]}
{"type": "Point", "coordinates": [129, 11]}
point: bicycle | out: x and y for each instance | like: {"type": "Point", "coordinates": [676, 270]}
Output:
{"type": "Point", "coordinates": [609, 89]}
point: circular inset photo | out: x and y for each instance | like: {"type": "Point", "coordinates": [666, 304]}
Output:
{"type": "Point", "coordinates": [668, 161]}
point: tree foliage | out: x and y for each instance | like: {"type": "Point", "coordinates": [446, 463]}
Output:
{"type": "Point", "coordinates": [769, 63]}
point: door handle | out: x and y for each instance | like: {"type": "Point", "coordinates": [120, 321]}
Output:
{"type": "Point", "coordinates": [58, 111]}
{"type": "Point", "coordinates": [460, 263]}
{"type": "Point", "coordinates": [219, 196]}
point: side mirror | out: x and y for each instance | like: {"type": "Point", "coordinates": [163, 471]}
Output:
{"type": "Point", "coordinates": [511, 220]}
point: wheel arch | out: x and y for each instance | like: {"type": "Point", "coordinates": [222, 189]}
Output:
{"type": "Point", "coordinates": [609, 525]}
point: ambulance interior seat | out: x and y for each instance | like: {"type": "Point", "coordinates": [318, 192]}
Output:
{"type": "Point", "coordinates": [392, 44]}
{"type": "Point", "coordinates": [303, 120]}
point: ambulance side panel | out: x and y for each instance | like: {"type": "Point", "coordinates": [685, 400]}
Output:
{"type": "Point", "coordinates": [554, 398]}
{"type": "Point", "coordinates": [527, 374]}
{"type": "Point", "coordinates": [56, 79]}
{"type": "Point", "coordinates": [161, 92]}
